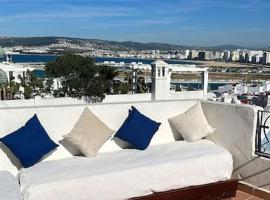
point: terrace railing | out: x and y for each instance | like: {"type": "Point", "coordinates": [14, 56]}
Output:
{"type": "Point", "coordinates": [263, 134]}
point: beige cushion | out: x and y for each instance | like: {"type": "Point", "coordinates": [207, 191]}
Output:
{"type": "Point", "coordinates": [89, 134]}
{"type": "Point", "coordinates": [192, 124]}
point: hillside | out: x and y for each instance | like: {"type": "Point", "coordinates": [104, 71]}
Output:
{"type": "Point", "coordinates": [104, 44]}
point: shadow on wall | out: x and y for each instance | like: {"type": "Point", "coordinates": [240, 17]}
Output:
{"type": "Point", "coordinates": [258, 173]}
{"type": "Point", "coordinates": [14, 160]}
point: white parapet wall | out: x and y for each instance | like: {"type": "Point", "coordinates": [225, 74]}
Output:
{"type": "Point", "coordinates": [184, 95]}
{"type": "Point", "coordinates": [127, 98]}
{"type": "Point", "coordinates": [40, 102]}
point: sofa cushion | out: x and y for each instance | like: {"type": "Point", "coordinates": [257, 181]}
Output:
{"type": "Point", "coordinates": [192, 124]}
{"type": "Point", "coordinates": [128, 173]}
{"type": "Point", "coordinates": [29, 143]}
{"type": "Point", "coordinates": [9, 187]}
{"type": "Point", "coordinates": [137, 129]}
{"type": "Point", "coordinates": [88, 134]}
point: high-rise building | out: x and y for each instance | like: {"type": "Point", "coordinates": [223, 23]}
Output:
{"type": "Point", "coordinates": [218, 55]}
{"type": "Point", "coordinates": [227, 55]}
{"type": "Point", "coordinates": [204, 55]}
{"type": "Point", "coordinates": [235, 56]}
{"type": "Point", "coordinates": [193, 55]}
{"type": "Point", "coordinates": [247, 57]}
{"type": "Point", "coordinates": [186, 54]}
{"type": "Point", "coordinates": [266, 57]}
{"type": "Point", "coordinates": [242, 57]}
{"type": "Point", "coordinates": [254, 59]}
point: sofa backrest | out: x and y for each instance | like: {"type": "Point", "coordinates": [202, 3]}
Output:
{"type": "Point", "coordinates": [59, 121]}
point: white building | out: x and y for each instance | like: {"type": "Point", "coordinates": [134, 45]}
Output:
{"type": "Point", "coordinates": [266, 57]}
{"type": "Point", "coordinates": [266, 86]}
{"type": "Point", "coordinates": [255, 89]}
{"type": "Point", "coordinates": [225, 89]}
{"type": "Point", "coordinates": [14, 71]}
{"type": "Point", "coordinates": [240, 89]}
{"type": "Point", "coordinates": [235, 56]}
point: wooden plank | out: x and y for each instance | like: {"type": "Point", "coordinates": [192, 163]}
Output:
{"type": "Point", "coordinates": [213, 191]}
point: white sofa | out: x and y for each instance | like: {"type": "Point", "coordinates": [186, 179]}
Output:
{"type": "Point", "coordinates": [9, 187]}
{"type": "Point", "coordinates": [235, 131]}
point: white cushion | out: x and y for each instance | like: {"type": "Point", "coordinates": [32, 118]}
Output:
{"type": "Point", "coordinates": [128, 173]}
{"type": "Point", "coordinates": [9, 187]}
{"type": "Point", "coordinates": [89, 134]}
{"type": "Point", "coordinates": [192, 124]}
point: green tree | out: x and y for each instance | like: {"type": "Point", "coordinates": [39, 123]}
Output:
{"type": "Point", "coordinates": [48, 87]}
{"type": "Point", "coordinates": [12, 89]}
{"type": "Point", "coordinates": [80, 76]}
{"type": "Point", "coordinates": [32, 85]}
{"type": "Point", "coordinates": [141, 86]}
{"type": "Point", "coordinates": [120, 87]}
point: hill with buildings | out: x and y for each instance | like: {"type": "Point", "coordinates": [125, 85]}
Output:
{"type": "Point", "coordinates": [103, 44]}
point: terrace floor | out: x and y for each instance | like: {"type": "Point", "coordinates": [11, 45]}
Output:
{"type": "Point", "coordinates": [245, 192]}
{"type": "Point", "coordinates": [244, 196]}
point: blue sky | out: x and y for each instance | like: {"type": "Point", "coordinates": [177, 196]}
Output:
{"type": "Point", "coordinates": [187, 22]}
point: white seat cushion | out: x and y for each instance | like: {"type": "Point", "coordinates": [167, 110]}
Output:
{"type": "Point", "coordinates": [127, 173]}
{"type": "Point", "coordinates": [9, 187]}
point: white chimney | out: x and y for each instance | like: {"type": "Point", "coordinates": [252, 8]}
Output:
{"type": "Point", "coordinates": [161, 80]}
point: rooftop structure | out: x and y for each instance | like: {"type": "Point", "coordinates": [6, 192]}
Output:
{"type": "Point", "coordinates": [13, 70]}
{"type": "Point", "coordinates": [161, 79]}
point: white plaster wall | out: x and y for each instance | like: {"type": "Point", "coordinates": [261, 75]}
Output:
{"type": "Point", "coordinates": [127, 98]}
{"type": "Point", "coordinates": [161, 89]}
{"type": "Point", "coordinates": [40, 102]}
{"type": "Point", "coordinates": [184, 95]}
{"type": "Point", "coordinates": [108, 99]}
{"type": "Point", "coordinates": [187, 95]}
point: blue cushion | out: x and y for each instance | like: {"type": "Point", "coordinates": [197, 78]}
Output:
{"type": "Point", "coordinates": [138, 130]}
{"type": "Point", "coordinates": [29, 143]}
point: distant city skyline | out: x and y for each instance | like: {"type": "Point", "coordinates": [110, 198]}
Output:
{"type": "Point", "coordinates": [182, 22]}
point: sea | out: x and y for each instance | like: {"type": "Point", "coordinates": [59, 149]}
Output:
{"type": "Point", "coordinates": [27, 58]}
{"type": "Point", "coordinates": [32, 58]}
